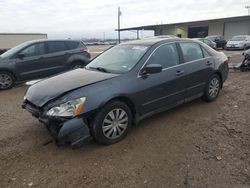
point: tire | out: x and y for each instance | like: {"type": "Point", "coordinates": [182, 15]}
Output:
{"type": "Point", "coordinates": [7, 80]}
{"type": "Point", "coordinates": [107, 130]}
{"type": "Point", "coordinates": [76, 65]}
{"type": "Point", "coordinates": [212, 89]}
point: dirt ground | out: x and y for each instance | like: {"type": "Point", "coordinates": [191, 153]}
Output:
{"type": "Point", "coordinates": [196, 145]}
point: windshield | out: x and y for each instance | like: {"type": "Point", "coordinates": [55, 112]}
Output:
{"type": "Point", "coordinates": [239, 38]}
{"type": "Point", "coordinates": [12, 51]}
{"type": "Point", "coordinates": [119, 59]}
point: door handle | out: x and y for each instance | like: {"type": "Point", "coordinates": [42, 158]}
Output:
{"type": "Point", "coordinates": [41, 57]}
{"type": "Point", "coordinates": [179, 72]}
{"type": "Point", "coordinates": [208, 63]}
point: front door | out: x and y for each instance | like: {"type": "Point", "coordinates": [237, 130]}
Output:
{"type": "Point", "coordinates": [30, 62]}
{"type": "Point", "coordinates": [164, 89]}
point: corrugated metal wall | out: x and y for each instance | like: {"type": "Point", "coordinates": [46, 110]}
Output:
{"type": "Point", "coordinates": [237, 28]}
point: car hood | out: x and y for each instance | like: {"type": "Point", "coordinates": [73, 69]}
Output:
{"type": "Point", "coordinates": [46, 90]}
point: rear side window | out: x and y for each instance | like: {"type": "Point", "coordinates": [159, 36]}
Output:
{"type": "Point", "coordinates": [56, 46]}
{"type": "Point", "coordinates": [166, 55]}
{"type": "Point", "coordinates": [72, 45]}
{"type": "Point", "coordinates": [33, 50]}
{"type": "Point", "coordinates": [191, 51]}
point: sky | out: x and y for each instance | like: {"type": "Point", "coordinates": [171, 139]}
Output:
{"type": "Point", "coordinates": [98, 18]}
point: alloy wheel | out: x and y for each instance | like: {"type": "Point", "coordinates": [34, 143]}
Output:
{"type": "Point", "coordinates": [77, 66]}
{"type": "Point", "coordinates": [214, 87]}
{"type": "Point", "coordinates": [115, 123]}
{"type": "Point", "coordinates": [5, 81]}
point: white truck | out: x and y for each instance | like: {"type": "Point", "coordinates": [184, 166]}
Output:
{"type": "Point", "coordinates": [9, 40]}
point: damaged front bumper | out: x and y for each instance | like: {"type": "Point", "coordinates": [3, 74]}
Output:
{"type": "Point", "coordinates": [73, 131]}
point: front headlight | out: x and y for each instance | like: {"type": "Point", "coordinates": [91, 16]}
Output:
{"type": "Point", "coordinates": [69, 109]}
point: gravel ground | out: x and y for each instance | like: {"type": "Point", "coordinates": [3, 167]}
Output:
{"type": "Point", "coordinates": [195, 145]}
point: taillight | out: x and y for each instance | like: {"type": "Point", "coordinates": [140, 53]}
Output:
{"type": "Point", "coordinates": [85, 50]}
{"type": "Point", "coordinates": [226, 62]}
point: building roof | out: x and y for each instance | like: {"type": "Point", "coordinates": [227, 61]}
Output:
{"type": "Point", "coordinates": [153, 27]}
{"type": "Point", "coordinates": [23, 34]}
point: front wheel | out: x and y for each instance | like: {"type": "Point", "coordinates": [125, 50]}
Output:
{"type": "Point", "coordinates": [112, 123]}
{"type": "Point", "coordinates": [6, 80]}
{"type": "Point", "coordinates": [212, 88]}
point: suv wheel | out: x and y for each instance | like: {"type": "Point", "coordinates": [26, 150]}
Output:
{"type": "Point", "coordinates": [212, 88]}
{"type": "Point", "coordinates": [77, 65]}
{"type": "Point", "coordinates": [112, 123]}
{"type": "Point", "coordinates": [6, 80]}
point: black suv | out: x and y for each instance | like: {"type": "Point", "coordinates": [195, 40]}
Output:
{"type": "Point", "coordinates": [219, 40]}
{"type": "Point", "coordinates": [39, 59]}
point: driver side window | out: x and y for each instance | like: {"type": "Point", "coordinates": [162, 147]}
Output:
{"type": "Point", "coordinates": [166, 55]}
{"type": "Point", "coordinates": [34, 50]}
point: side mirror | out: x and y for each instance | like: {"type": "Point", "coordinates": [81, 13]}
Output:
{"type": "Point", "coordinates": [20, 56]}
{"type": "Point", "coordinates": [151, 69]}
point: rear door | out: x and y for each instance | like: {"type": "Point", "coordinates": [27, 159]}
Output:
{"type": "Point", "coordinates": [198, 65]}
{"type": "Point", "coordinates": [164, 89]}
{"type": "Point", "coordinates": [57, 56]}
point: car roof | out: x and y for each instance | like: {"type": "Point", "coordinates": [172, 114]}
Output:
{"type": "Point", "coordinates": [215, 36]}
{"type": "Point", "coordinates": [152, 41]}
{"type": "Point", "coordinates": [53, 40]}
{"type": "Point", "coordinates": [241, 35]}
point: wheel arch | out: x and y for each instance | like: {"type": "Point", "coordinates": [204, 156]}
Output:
{"type": "Point", "coordinates": [218, 73]}
{"type": "Point", "coordinates": [128, 102]}
{"type": "Point", "coordinates": [9, 71]}
{"type": "Point", "coordinates": [78, 58]}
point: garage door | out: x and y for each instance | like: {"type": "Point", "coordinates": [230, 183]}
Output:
{"type": "Point", "coordinates": [237, 28]}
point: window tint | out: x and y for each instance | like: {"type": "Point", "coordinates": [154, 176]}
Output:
{"type": "Point", "coordinates": [191, 51]}
{"type": "Point", "coordinates": [33, 50]}
{"type": "Point", "coordinates": [56, 46]}
{"type": "Point", "coordinates": [72, 45]}
{"type": "Point", "coordinates": [166, 55]}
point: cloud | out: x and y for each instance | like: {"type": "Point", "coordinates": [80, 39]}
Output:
{"type": "Point", "coordinates": [82, 18]}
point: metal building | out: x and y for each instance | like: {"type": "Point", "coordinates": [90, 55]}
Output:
{"type": "Point", "coordinates": [9, 40]}
{"type": "Point", "coordinates": [198, 29]}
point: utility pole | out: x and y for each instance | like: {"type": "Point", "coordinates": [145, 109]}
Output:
{"type": "Point", "coordinates": [248, 8]}
{"type": "Point", "coordinates": [119, 34]}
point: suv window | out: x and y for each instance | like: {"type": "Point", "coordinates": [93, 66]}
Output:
{"type": "Point", "coordinates": [166, 55]}
{"type": "Point", "coordinates": [33, 50]}
{"type": "Point", "coordinates": [72, 45]}
{"type": "Point", "coordinates": [56, 46]}
{"type": "Point", "coordinates": [191, 51]}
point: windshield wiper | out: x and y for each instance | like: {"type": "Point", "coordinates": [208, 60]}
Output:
{"type": "Point", "coordinates": [101, 69]}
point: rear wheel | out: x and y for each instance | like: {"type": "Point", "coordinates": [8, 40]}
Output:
{"type": "Point", "coordinates": [212, 88]}
{"type": "Point", "coordinates": [77, 65]}
{"type": "Point", "coordinates": [6, 80]}
{"type": "Point", "coordinates": [112, 123]}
